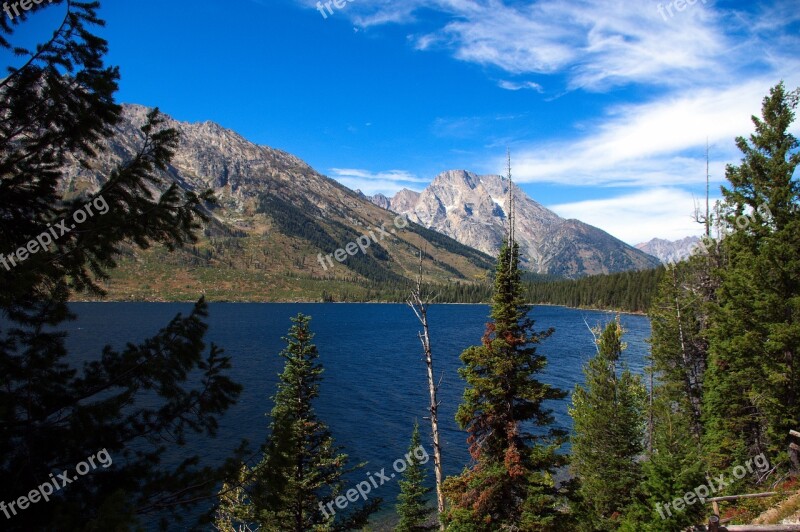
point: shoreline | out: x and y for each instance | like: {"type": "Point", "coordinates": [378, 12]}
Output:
{"type": "Point", "coordinates": [296, 302]}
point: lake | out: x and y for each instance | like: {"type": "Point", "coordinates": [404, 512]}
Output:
{"type": "Point", "coordinates": [374, 385]}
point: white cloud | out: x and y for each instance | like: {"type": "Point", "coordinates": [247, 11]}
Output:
{"type": "Point", "coordinates": [597, 43]}
{"type": "Point", "coordinates": [371, 183]}
{"type": "Point", "coordinates": [518, 85]}
{"type": "Point", "coordinates": [638, 217]}
{"type": "Point", "coordinates": [652, 144]}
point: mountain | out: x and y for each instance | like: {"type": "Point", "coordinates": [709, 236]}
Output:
{"type": "Point", "coordinates": [668, 251]}
{"type": "Point", "coordinates": [473, 209]}
{"type": "Point", "coordinates": [381, 201]}
{"type": "Point", "coordinates": [404, 201]}
{"type": "Point", "coordinates": [275, 234]}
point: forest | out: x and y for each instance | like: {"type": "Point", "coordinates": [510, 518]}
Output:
{"type": "Point", "coordinates": [631, 291]}
{"type": "Point", "coordinates": [626, 291]}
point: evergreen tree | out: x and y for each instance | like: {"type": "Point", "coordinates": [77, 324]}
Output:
{"type": "Point", "coordinates": [413, 508]}
{"type": "Point", "coordinates": [751, 397]}
{"type": "Point", "coordinates": [57, 109]}
{"type": "Point", "coordinates": [608, 416]}
{"type": "Point", "coordinates": [301, 469]}
{"type": "Point", "coordinates": [680, 319]}
{"type": "Point", "coordinates": [675, 464]}
{"type": "Point", "coordinates": [675, 467]}
{"type": "Point", "coordinates": [511, 481]}
{"type": "Point", "coordinates": [235, 512]}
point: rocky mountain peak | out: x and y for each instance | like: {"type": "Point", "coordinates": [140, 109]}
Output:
{"type": "Point", "coordinates": [468, 207]}
{"type": "Point", "coordinates": [381, 201]}
{"type": "Point", "coordinates": [473, 209]}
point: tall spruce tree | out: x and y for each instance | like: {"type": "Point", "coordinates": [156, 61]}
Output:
{"type": "Point", "coordinates": [679, 317]}
{"type": "Point", "coordinates": [608, 439]}
{"type": "Point", "coordinates": [751, 396]}
{"type": "Point", "coordinates": [511, 482]}
{"type": "Point", "coordinates": [675, 463]}
{"type": "Point", "coordinates": [674, 467]}
{"type": "Point", "coordinates": [413, 506]}
{"type": "Point", "coordinates": [302, 468]}
{"type": "Point", "coordinates": [56, 109]}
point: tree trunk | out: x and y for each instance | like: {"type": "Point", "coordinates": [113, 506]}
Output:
{"type": "Point", "coordinates": [420, 308]}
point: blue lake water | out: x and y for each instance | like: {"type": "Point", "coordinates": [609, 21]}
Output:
{"type": "Point", "coordinates": [374, 385]}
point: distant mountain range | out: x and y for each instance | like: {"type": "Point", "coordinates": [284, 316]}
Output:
{"type": "Point", "coordinates": [278, 219]}
{"type": "Point", "coordinates": [473, 209]}
{"type": "Point", "coordinates": [668, 251]}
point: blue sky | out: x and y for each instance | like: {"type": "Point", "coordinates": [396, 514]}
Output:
{"type": "Point", "coordinates": [605, 105]}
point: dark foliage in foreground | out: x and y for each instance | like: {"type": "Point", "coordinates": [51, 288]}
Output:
{"type": "Point", "coordinates": [136, 402]}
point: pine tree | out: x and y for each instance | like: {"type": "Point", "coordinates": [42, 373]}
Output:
{"type": "Point", "coordinates": [413, 508]}
{"type": "Point", "coordinates": [675, 463]}
{"type": "Point", "coordinates": [511, 482]}
{"type": "Point", "coordinates": [675, 467]}
{"type": "Point", "coordinates": [680, 319]}
{"type": "Point", "coordinates": [752, 392]}
{"type": "Point", "coordinates": [235, 512]}
{"type": "Point", "coordinates": [608, 415]}
{"type": "Point", "coordinates": [56, 110]}
{"type": "Point", "coordinates": [302, 468]}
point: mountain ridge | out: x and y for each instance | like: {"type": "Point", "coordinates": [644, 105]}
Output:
{"type": "Point", "coordinates": [275, 215]}
{"type": "Point", "coordinates": [669, 251]}
{"type": "Point", "coordinates": [473, 210]}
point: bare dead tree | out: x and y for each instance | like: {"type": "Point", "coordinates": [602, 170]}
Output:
{"type": "Point", "coordinates": [707, 219]}
{"type": "Point", "coordinates": [418, 301]}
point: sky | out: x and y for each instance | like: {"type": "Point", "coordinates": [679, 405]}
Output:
{"type": "Point", "coordinates": [606, 106]}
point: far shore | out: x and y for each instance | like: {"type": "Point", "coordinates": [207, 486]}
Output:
{"type": "Point", "coordinates": [295, 302]}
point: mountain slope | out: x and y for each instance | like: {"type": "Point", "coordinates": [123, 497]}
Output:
{"type": "Point", "coordinates": [276, 222]}
{"type": "Point", "coordinates": [473, 210]}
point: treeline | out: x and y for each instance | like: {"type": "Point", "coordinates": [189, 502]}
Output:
{"type": "Point", "coordinates": [455, 292]}
{"type": "Point", "coordinates": [627, 291]}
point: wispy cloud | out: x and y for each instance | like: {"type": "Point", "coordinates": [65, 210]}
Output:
{"type": "Point", "coordinates": [386, 182]}
{"type": "Point", "coordinates": [598, 43]}
{"type": "Point", "coordinates": [654, 144]}
{"type": "Point", "coordinates": [638, 217]}
{"type": "Point", "coordinates": [519, 85]}
{"type": "Point", "coordinates": [461, 127]}
{"type": "Point", "coordinates": [483, 127]}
